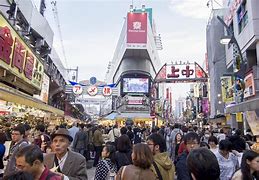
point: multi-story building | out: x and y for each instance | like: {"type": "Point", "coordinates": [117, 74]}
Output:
{"type": "Point", "coordinates": [135, 64]}
{"type": "Point", "coordinates": [243, 18]}
{"type": "Point", "coordinates": [31, 72]}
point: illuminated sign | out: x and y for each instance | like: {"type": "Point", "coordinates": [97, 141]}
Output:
{"type": "Point", "coordinates": [17, 57]}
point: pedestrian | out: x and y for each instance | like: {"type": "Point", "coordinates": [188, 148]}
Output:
{"type": "Point", "coordinates": [18, 143]}
{"type": "Point", "coordinates": [249, 167]}
{"type": "Point", "coordinates": [42, 139]}
{"type": "Point", "coordinates": [162, 165]}
{"type": "Point", "coordinates": [114, 133]}
{"type": "Point", "coordinates": [191, 141]}
{"type": "Point", "coordinates": [130, 134]}
{"type": "Point", "coordinates": [203, 165]}
{"type": "Point", "coordinates": [98, 144]}
{"type": "Point", "coordinates": [30, 159]}
{"type": "Point", "coordinates": [123, 153]}
{"type": "Point", "coordinates": [142, 159]}
{"type": "Point", "coordinates": [80, 142]}
{"type": "Point", "coordinates": [228, 162]}
{"type": "Point", "coordinates": [70, 164]}
{"type": "Point", "coordinates": [73, 130]}
{"type": "Point", "coordinates": [213, 143]}
{"type": "Point", "coordinates": [106, 168]}
{"type": "Point", "coordinates": [178, 141]}
{"type": "Point", "coordinates": [2, 152]}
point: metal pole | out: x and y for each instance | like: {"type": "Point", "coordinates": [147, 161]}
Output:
{"type": "Point", "coordinates": [77, 74]}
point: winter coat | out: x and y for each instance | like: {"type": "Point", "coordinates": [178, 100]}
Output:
{"type": "Point", "coordinates": [132, 172]}
{"type": "Point", "coordinates": [181, 167]}
{"type": "Point", "coordinates": [165, 166]}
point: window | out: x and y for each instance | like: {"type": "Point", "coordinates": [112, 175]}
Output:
{"type": "Point", "coordinates": [242, 16]}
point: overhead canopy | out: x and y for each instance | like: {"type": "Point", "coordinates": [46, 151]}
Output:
{"type": "Point", "coordinates": [10, 95]}
{"type": "Point", "coordinates": [111, 116]}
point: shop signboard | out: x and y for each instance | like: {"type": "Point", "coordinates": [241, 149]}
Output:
{"type": "Point", "coordinates": [77, 89]}
{"type": "Point", "coordinates": [135, 100]}
{"type": "Point", "coordinates": [137, 28]}
{"type": "Point", "coordinates": [44, 94]}
{"type": "Point", "coordinates": [239, 117]}
{"type": "Point", "coordinates": [227, 89]}
{"type": "Point", "coordinates": [249, 86]}
{"type": "Point", "coordinates": [253, 121]}
{"type": "Point", "coordinates": [107, 91]}
{"type": "Point", "coordinates": [17, 57]}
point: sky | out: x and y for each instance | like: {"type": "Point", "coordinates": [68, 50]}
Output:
{"type": "Point", "coordinates": [91, 29]}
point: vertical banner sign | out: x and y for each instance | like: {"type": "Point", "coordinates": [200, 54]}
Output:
{"type": "Point", "coordinates": [137, 28]}
{"type": "Point", "coordinates": [227, 88]}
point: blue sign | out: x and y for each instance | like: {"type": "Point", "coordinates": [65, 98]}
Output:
{"type": "Point", "coordinates": [93, 80]}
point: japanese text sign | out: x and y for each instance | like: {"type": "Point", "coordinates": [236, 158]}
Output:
{"type": "Point", "coordinates": [17, 57]}
{"type": "Point", "coordinates": [182, 71]}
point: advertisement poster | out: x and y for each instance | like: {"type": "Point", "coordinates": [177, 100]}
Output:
{"type": "Point", "coordinates": [227, 88]}
{"type": "Point", "coordinates": [253, 121]}
{"type": "Point", "coordinates": [44, 95]}
{"type": "Point", "coordinates": [249, 86]}
{"type": "Point", "coordinates": [135, 85]}
{"type": "Point", "coordinates": [137, 28]}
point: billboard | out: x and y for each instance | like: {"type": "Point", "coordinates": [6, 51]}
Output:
{"type": "Point", "coordinates": [137, 28]}
{"type": "Point", "coordinates": [135, 85]}
{"type": "Point", "coordinates": [17, 57]}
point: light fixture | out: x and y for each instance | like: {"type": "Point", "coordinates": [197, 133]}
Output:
{"type": "Point", "coordinates": [32, 45]}
{"type": "Point", "coordinates": [225, 40]}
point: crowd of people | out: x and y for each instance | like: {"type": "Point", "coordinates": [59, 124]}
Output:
{"type": "Point", "coordinates": [127, 153]}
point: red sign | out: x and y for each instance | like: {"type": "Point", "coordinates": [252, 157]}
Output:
{"type": "Point", "coordinates": [137, 28]}
{"type": "Point", "coordinates": [19, 55]}
{"type": "Point", "coordinates": [107, 91]}
{"type": "Point", "coordinates": [28, 69]}
{"type": "Point", "coordinates": [6, 42]}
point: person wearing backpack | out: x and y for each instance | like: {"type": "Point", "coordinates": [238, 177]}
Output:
{"type": "Point", "coordinates": [106, 168]}
{"type": "Point", "coordinates": [29, 159]}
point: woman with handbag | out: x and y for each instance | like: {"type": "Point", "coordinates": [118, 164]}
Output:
{"type": "Point", "coordinates": [142, 159]}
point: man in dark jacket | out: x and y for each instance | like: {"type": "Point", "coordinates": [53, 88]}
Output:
{"type": "Point", "coordinates": [81, 140]}
{"type": "Point", "coordinates": [192, 141]}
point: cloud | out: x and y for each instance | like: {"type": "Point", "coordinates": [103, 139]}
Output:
{"type": "Point", "coordinates": [191, 8]}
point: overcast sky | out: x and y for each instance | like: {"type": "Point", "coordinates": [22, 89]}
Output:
{"type": "Point", "coordinates": [91, 29]}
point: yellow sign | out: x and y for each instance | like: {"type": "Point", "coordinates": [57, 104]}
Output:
{"type": "Point", "coordinates": [239, 117]}
{"type": "Point", "coordinates": [227, 88]}
{"type": "Point", "coordinates": [228, 117]}
{"type": "Point", "coordinates": [17, 57]}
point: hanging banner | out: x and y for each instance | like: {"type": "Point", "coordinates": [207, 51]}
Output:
{"type": "Point", "coordinates": [44, 94]}
{"type": "Point", "coordinates": [253, 121]}
{"type": "Point", "coordinates": [227, 89]}
{"type": "Point", "coordinates": [249, 86]}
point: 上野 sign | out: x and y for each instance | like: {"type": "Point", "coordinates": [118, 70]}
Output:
{"type": "Point", "coordinates": [17, 57]}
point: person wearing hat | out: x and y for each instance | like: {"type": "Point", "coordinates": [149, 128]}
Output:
{"type": "Point", "coordinates": [69, 164]}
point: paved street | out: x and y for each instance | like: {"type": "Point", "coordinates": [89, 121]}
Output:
{"type": "Point", "coordinates": [90, 173]}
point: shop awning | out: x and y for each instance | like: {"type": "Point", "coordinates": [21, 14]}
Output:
{"type": "Point", "coordinates": [249, 105]}
{"type": "Point", "coordinates": [11, 95]}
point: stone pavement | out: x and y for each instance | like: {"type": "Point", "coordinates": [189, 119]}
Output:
{"type": "Point", "coordinates": [90, 173]}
